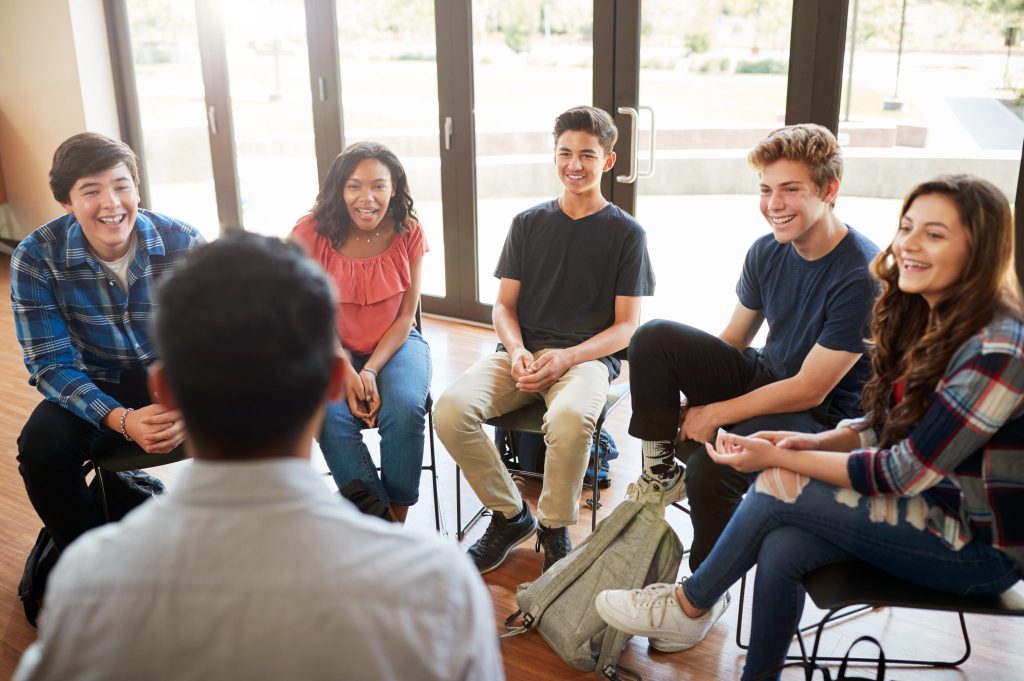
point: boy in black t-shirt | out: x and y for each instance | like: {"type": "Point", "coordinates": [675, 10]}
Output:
{"type": "Point", "coordinates": [572, 272]}
{"type": "Point", "coordinates": [809, 280]}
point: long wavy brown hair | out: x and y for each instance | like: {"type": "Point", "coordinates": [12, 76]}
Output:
{"type": "Point", "coordinates": [912, 341]}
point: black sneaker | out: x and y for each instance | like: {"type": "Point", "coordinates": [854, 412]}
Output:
{"type": "Point", "coordinates": [556, 543]}
{"type": "Point", "coordinates": [500, 537]}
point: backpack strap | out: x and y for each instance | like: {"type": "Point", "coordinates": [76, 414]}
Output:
{"type": "Point", "coordinates": [565, 572]}
{"type": "Point", "coordinates": [614, 640]}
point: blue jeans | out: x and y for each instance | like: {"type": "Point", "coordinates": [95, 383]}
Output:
{"type": "Point", "coordinates": [789, 539]}
{"type": "Point", "coordinates": [403, 384]}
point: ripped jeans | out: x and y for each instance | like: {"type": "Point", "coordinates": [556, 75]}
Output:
{"type": "Point", "coordinates": [789, 525]}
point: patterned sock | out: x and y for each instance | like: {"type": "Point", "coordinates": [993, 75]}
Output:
{"type": "Point", "coordinates": [659, 460]}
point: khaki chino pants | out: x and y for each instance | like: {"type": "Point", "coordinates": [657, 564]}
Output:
{"type": "Point", "coordinates": [486, 390]}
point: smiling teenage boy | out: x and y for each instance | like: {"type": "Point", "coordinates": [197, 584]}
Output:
{"type": "Point", "coordinates": [809, 280]}
{"type": "Point", "coordinates": [572, 272]}
{"type": "Point", "coordinates": [81, 290]}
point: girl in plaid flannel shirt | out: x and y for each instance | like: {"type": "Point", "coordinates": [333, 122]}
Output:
{"type": "Point", "coordinates": [928, 486]}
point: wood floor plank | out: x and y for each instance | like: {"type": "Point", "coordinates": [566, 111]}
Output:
{"type": "Point", "coordinates": [454, 347]}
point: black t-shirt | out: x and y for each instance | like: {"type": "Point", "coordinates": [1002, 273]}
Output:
{"type": "Point", "coordinates": [570, 272]}
{"type": "Point", "coordinates": [823, 302]}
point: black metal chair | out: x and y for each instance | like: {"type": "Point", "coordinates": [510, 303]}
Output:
{"type": "Point", "coordinates": [126, 457]}
{"type": "Point", "coordinates": [849, 587]}
{"type": "Point", "coordinates": [529, 419]}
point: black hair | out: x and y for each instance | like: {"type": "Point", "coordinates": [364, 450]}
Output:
{"type": "Point", "coordinates": [589, 119]}
{"type": "Point", "coordinates": [86, 154]}
{"type": "Point", "coordinates": [329, 210]}
{"type": "Point", "coordinates": [245, 329]}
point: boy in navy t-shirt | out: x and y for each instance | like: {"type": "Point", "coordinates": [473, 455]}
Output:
{"type": "Point", "coordinates": [809, 280]}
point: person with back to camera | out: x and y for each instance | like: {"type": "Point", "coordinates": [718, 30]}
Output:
{"type": "Point", "coordinates": [927, 486]}
{"type": "Point", "coordinates": [363, 231]}
{"type": "Point", "coordinates": [249, 568]}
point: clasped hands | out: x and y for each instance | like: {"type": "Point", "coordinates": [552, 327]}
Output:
{"type": "Point", "coordinates": [155, 428]}
{"type": "Point", "coordinates": [362, 396]}
{"type": "Point", "coordinates": [536, 375]}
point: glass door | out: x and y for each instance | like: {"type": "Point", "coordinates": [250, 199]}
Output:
{"type": "Point", "coordinates": [714, 78]}
{"type": "Point", "coordinates": [268, 65]}
{"type": "Point", "coordinates": [388, 61]}
{"type": "Point", "coordinates": [531, 61]}
{"type": "Point", "coordinates": [928, 90]}
{"type": "Point", "coordinates": [172, 114]}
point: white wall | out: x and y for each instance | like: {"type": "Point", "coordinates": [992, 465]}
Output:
{"type": "Point", "coordinates": [55, 81]}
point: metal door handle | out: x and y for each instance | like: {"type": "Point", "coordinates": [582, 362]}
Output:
{"type": "Point", "coordinates": [634, 141]}
{"type": "Point", "coordinates": [211, 118]}
{"type": "Point", "coordinates": [447, 132]}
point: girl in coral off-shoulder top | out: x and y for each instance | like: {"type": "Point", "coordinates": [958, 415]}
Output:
{"type": "Point", "coordinates": [364, 233]}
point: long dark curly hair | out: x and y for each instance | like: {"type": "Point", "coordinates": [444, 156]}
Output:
{"type": "Point", "coordinates": [912, 341]}
{"type": "Point", "coordinates": [329, 210]}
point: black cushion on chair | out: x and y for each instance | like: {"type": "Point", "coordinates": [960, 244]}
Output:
{"type": "Point", "coordinates": [129, 457]}
{"type": "Point", "coordinates": [854, 582]}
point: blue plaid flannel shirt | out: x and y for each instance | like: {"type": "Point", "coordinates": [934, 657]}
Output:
{"type": "Point", "coordinates": [74, 323]}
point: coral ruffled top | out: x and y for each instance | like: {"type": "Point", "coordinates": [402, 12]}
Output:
{"type": "Point", "coordinates": [370, 290]}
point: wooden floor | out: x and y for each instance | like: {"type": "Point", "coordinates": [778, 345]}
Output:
{"type": "Point", "coordinates": [997, 642]}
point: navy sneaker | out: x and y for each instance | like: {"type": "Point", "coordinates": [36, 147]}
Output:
{"type": "Point", "coordinates": [500, 537]}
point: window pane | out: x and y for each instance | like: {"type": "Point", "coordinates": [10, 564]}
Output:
{"type": "Point", "coordinates": [715, 74]}
{"type": "Point", "coordinates": [172, 107]}
{"type": "Point", "coordinates": [532, 60]}
{"type": "Point", "coordinates": [937, 102]}
{"type": "Point", "coordinates": [389, 95]}
{"type": "Point", "coordinates": [268, 68]}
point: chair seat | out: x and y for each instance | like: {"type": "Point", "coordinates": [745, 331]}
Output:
{"type": "Point", "coordinates": [529, 419]}
{"type": "Point", "coordinates": [854, 582]}
{"type": "Point", "coordinates": [128, 457]}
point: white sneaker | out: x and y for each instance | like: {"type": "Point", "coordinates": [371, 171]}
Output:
{"type": "Point", "coordinates": [655, 612]}
{"type": "Point", "coordinates": [670, 493]}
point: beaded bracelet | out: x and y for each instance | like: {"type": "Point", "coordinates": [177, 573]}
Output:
{"type": "Point", "coordinates": [124, 432]}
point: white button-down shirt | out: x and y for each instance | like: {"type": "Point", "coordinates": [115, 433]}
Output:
{"type": "Point", "coordinates": [254, 570]}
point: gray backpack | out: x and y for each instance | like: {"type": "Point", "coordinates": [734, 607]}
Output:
{"type": "Point", "coordinates": [631, 548]}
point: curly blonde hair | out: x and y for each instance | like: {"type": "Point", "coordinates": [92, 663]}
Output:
{"type": "Point", "coordinates": [808, 143]}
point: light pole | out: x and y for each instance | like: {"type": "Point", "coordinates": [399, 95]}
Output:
{"type": "Point", "coordinates": [894, 103]}
{"type": "Point", "coordinates": [1011, 40]}
{"type": "Point", "coordinates": [853, 48]}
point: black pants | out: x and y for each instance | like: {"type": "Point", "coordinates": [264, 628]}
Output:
{"type": "Point", "coordinates": [51, 450]}
{"type": "Point", "coordinates": [666, 358]}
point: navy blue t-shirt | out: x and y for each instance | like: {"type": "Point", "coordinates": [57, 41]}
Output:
{"type": "Point", "coordinates": [570, 271]}
{"type": "Point", "coordinates": [807, 302]}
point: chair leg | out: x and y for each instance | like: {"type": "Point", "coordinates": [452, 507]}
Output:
{"type": "Point", "coordinates": [101, 487]}
{"type": "Point", "coordinates": [433, 476]}
{"type": "Point", "coordinates": [460, 528]}
{"type": "Point", "coordinates": [830, 616]}
{"type": "Point", "coordinates": [595, 461]}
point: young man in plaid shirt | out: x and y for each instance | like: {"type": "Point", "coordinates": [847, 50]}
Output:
{"type": "Point", "coordinates": [81, 290]}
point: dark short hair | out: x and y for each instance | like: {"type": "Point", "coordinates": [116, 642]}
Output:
{"type": "Point", "coordinates": [245, 330]}
{"type": "Point", "coordinates": [589, 119]}
{"type": "Point", "coordinates": [86, 154]}
{"type": "Point", "coordinates": [330, 211]}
